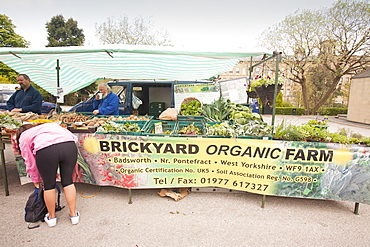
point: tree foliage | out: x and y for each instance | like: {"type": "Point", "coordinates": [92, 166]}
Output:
{"type": "Point", "coordinates": [9, 38]}
{"type": "Point", "coordinates": [67, 33]}
{"type": "Point", "coordinates": [140, 31]}
{"type": "Point", "coordinates": [64, 33]}
{"type": "Point", "coordinates": [319, 47]}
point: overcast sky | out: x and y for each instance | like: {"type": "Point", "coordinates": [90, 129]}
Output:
{"type": "Point", "coordinates": [202, 24]}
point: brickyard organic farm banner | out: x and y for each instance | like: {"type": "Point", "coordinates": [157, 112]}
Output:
{"type": "Point", "coordinates": [295, 169]}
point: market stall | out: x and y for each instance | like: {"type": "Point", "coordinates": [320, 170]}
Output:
{"type": "Point", "coordinates": [217, 154]}
{"type": "Point", "coordinates": [142, 158]}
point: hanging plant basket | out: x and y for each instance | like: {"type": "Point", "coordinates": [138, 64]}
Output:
{"type": "Point", "coordinates": [252, 94]}
{"type": "Point", "coordinates": [266, 95]}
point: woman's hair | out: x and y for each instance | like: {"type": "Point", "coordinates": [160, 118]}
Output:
{"type": "Point", "coordinates": [22, 129]}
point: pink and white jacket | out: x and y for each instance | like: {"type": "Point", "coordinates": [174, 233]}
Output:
{"type": "Point", "coordinates": [40, 137]}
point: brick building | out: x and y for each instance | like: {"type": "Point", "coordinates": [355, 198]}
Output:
{"type": "Point", "coordinates": [290, 90]}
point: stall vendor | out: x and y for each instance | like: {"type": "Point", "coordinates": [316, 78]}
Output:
{"type": "Point", "coordinates": [26, 99]}
{"type": "Point", "coordinates": [105, 102]}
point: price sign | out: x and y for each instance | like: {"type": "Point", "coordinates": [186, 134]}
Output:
{"type": "Point", "coordinates": [60, 95]}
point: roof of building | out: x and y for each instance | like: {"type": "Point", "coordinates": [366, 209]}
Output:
{"type": "Point", "coordinates": [363, 74]}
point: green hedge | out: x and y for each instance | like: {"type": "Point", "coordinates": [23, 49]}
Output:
{"type": "Point", "coordinates": [332, 111]}
{"type": "Point", "coordinates": [329, 111]}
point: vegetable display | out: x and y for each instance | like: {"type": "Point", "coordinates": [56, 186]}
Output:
{"type": "Point", "coordinates": [220, 129]}
{"type": "Point", "coordinates": [192, 108]}
{"type": "Point", "coordinates": [8, 122]}
{"type": "Point", "coordinates": [110, 127]}
{"type": "Point", "coordinates": [191, 129]}
{"type": "Point", "coordinates": [217, 111]}
{"type": "Point", "coordinates": [69, 117]}
{"type": "Point", "coordinates": [221, 119]}
{"type": "Point", "coordinates": [243, 122]}
{"type": "Point", "coordinates": [41, 120]}
{"type": "Point", "coordinates": [129, 118]}
{"type": "Point", "coordinates": [23, 117]}
{"type": "Point", "coordinates": [308, 132]}
{"type": "Point", "coordinates": [95, 122]}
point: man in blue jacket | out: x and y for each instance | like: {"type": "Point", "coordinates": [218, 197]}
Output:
{"type": "Point", "coordinates": [26, 99]}
{"type": "Point", "coordinates": [105, 102]}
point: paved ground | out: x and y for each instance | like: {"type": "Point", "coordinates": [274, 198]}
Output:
{"type": "Point", "coordinates": [200, 219]}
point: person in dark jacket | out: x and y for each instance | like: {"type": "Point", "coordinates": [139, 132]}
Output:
{"type": "Point", "coordinates": [105, 102]}
{"type": "Point", "coordinates": [26, 99]}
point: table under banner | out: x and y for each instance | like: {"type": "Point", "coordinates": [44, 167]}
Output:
{"type": "Point", "coordinates": [314, 170]}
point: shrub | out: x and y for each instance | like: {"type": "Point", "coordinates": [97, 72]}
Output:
{"type": "Point", "coordinates": [328, 111]}
{"type": "Point", "coordinates": [332, 111]}
{"type": "Point", "coordinates": [287, 104]}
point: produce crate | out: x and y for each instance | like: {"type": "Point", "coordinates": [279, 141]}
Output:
{"type": "Point", "coordinates": [155, 113]}
{"type": "Point", "coordinates": [190, 118]}
{"type": "Point", "coordinates": [82, 129]}
{"type": "Point", "coordinates": [104, 116]}
{"type": "Point", "coordinates": [156, 108]}
{"type": "Point", "coordinates": [168, 127]}
{"type": "Point", "coordinates": [255, 137]}
{"type": "Point", "coordinates": [141, 125]}
{"type": "Point", "coordinates": [182, 124]}
{"type": "Point", "coordinates": [211, 124]}
{"type": "Point", "coordinates": [79, 113]}
{"type": "Point", "coordinates": [69, 118]}
{"type": "Point", "coordinates": [85, 113]}
{"type": "Point", "coordinates": [125, 116]}
{"type": "Point", "coordinates": [157, 105]}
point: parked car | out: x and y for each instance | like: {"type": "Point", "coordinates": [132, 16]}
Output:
{"type": "Point", "coordinates": [149, 92]}
{"type": "Point", "coordinates": [46, 107]}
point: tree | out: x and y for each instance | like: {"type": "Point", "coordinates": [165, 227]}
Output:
{"type": "Point", "coordinates": [279, 99]}
{"type": "Point", "coordinates": [140, 31]}
{"type": "Point", "coordinates": [64, 33]}
{"type": "Point", "coordinates": [9, 38]}
{"type": "Point", "coordinates": [319, 47]}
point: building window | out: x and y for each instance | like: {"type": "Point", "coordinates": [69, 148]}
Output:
{"type": "Point", "coordinates": [244, 71]}
{"type": "Point", "coordinates": [231, 72]}
{"type": "Point", "coordinates": [237, 70]}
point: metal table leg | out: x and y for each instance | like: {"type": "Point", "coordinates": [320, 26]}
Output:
{"type": "Point", "coordinates": [357, 205]}
{"type": "Point", "coordinates": [2, 157]}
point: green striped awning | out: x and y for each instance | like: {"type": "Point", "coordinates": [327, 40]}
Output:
{"type": "Point", "coordinates": [80, 65]}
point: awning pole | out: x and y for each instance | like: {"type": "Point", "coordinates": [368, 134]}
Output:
{"type": "Point", "coordinates": [278, 58]}
{"type": "Point", "coordinates": [58, 84]}
{"type": "Point", "coordinates": [250, 77]}
{"type": "Point", "coordinates": [57, 68]}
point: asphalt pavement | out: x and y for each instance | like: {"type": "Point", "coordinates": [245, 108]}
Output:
{"type": "Point", "coordinates": [218, 218]}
